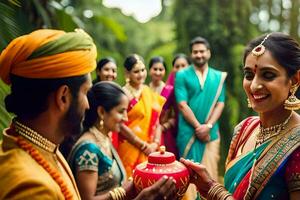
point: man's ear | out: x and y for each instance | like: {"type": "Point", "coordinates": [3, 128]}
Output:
{"type": "Point", "coordinates": [209, 53]}
{"type": "Point", "coordinates": [63, 97]}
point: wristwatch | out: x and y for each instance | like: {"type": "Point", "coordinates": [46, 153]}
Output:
{"type": "Point", "coordinates": [209, 125]}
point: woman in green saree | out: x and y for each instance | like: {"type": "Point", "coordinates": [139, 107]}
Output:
{"type": "Point", "coordinates": [264, 155]}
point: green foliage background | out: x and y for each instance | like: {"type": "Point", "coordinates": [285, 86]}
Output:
{"type": "Point", "coordinates": [228, 25]}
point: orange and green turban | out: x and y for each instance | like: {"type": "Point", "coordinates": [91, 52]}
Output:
{"type": "Point", "coordinates": [48, 54]}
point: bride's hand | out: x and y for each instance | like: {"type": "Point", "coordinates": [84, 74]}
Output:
{"type": "Point", "coordinates": [199, 176]}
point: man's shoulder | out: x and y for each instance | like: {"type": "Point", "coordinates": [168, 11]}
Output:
{"type": "Point", "coordinates": [213, 69]}
{"type": "Point", "coordinates": [18, 163]}
{"type": "Point", "coordinates": [185, 71]}
{"type": "Point", "coordinates": [18, 171]}
{"type": "Point", "coordinates": [217, 73]}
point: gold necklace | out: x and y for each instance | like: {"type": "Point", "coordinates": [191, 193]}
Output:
{"type": "Point", "coordinates": [34, 137]}
{"type": "Point", "coordinates": [136, 93]}
{"type": "Point", "coordinates": [102, 140]}
{"type": "Point", "coordinates": [266, 134]}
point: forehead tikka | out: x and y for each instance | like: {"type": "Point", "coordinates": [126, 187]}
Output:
{"type": "Point", "coordinates": [260, 49]}
{"type": "Point", "coordinates": [139, 62]}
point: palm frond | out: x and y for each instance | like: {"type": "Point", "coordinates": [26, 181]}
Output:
{"type": "Point", "coordinates": [9, 26]}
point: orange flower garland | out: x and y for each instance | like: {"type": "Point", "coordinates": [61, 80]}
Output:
{"type": "Point", "coordinates": [40, 160]}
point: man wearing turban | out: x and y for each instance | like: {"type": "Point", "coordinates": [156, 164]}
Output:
{"type": "Point", "coordinates": [48, 71]}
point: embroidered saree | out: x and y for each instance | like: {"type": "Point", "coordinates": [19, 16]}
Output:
{"type": "Point", "coordinates": [143, 116]}
{"type": "Point", "coordinates": [101, 157]}
{"type": "Point", "coordinates": [276, 170]}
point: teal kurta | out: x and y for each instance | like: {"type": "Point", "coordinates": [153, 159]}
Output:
{"type": "Point", "coordinates": [201, 101]}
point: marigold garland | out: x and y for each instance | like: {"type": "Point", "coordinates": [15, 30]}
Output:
{"type": "Point", "coordinates": [41, 161]}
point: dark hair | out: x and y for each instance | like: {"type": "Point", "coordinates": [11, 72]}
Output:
{"type": "Point", "coordinates": [157, 59]}
{"type": "Point", "coordinates": [106, 94]}
{"type": "Point", "coordinates": [199, 40]}
{"type": "Point", "coordinates": [180, 55]}
{"type": "Point", "coordinates": [28, 97]}
{"type": "Point", "coordinates": [131, 60]}
{"type": "Point", "coordinates": [104, 61]}
{"type": "Point", "coordinates": [283, 48]}
{"type": "Point", "coordinates": [101, 64]}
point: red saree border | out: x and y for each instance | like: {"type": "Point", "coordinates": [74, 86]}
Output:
{"type": "Point", "coordinates": [242, 133]}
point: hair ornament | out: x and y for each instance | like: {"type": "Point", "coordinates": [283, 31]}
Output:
{"type": "Point", "coordinates": [260, 49]}
{"type": "Point", "coordinates": [139, 62]}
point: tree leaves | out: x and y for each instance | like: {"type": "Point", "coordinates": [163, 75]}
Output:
{"type": "Point", "coordinates": [9, 25]}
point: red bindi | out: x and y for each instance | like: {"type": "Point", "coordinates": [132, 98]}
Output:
{"type": "Point", "coordinates": [255, 67]}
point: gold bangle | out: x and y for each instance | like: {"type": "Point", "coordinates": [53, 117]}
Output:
{"type": "Point", "coordinates": [112, 195]}
{"type": "Point", "coordinates": [144, 146]}
{"type": "Point", "coordinates": [213, 190]}
{"type": "Point", "coordinates": [123, 192]}
{"type": "Point", "coordinates": [218, 192]}
{"type": "Point", "coordinates": [119, 193]}
{"type": "Point", "coordinates": [166, 125]}
{"type": "Point", "coordinates": [134, 140]}
{"type": "Point", "coordinates": [164, 128]}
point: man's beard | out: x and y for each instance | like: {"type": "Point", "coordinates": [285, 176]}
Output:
{"type": "Point", "coordinates": [199, 62]}
{"type": "Point", "coordinates": [71, 126]}
{"type": "Point", "coordinates": [72, 122]}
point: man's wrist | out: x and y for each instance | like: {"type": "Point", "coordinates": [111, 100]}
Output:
{"type": "Point", "coordinates": [197, 125]}
{"type": "Point", "coordinates": [209, 125]}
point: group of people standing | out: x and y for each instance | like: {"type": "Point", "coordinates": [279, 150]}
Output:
{"type": "Point", "coordinates": [111, 129]}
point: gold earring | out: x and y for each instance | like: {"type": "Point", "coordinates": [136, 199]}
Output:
{"type": "Point", "coordinates": [101, 123]}
{"type": "Point", "coordinates": [249, 103]}
{"type": "Point", "coordinates": [292, 102]}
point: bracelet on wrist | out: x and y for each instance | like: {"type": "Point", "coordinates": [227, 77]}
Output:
{"type": "Point", "coordinates": [135, 139]}
{"type": "Point", "coordinates": [166, 126]}
{"type": "Point", "coordinates": [210, 185]}
{"type": "Point", "coordinates": [118, 193]}
{"type": "Point", "coordinates": [144, 146]}
{"type": "Point", "coordinates": [209, 125]}
{"type": "Point", "coordinates": [218, 191]}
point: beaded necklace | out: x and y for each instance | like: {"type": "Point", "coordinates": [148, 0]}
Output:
{"type": "Point", "coordinates": [102, 140]}
{"type": "Point", "coordinates": [266, 134]}
{"type": "Point", "coordinates": [34, 137]}
{"type": "Point", "coordinates": [136, 93]}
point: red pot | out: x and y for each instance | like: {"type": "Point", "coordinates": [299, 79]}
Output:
{"type": "Point", "coordinates": [159, 164]}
